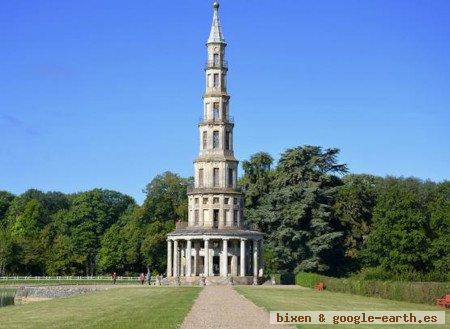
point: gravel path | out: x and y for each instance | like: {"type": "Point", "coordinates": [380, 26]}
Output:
{"type": "Point", "coordinates": [223, 307]}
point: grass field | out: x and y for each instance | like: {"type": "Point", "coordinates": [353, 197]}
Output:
{"type": "Point", "coordinates": [131, 307]}
{"type": "Point", "coordinates": [304, 299]}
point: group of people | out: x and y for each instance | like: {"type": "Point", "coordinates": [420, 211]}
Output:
{"type": "Point", "coordinates": [142, 278]}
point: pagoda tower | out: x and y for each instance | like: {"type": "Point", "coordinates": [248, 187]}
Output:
{"type": "Point", "coordinates": [214, 243]}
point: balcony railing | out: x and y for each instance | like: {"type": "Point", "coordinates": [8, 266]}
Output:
{"type": "Point", "coordinates": [216, 119]}
{"type": "Point", "coordinates": [216, 64]}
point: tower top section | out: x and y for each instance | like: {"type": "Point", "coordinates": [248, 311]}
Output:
{"type": "Point", "coordinates": [216, 36]}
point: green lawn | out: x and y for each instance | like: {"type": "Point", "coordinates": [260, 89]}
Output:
{"type": "Point", "coordinates": [131, 307]}
{"type": "Point", "coordinates": [304, 299]}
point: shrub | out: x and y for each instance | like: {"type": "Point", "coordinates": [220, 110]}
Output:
{"type": "Point", "coordinates": [307, 279]}
{"type": "Point", "coordinates": [416, 292]}
{"type": "Point", "coordinates": [7, 297]}
{"type": "Point", "coordinates": [380, 274]}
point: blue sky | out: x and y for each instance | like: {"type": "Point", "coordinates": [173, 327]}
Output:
{"type": "Point", "coordinates": [108, 93]}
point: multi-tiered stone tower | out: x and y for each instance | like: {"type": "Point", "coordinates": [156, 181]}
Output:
{"type": "Point", "coordinates": [214, 243]}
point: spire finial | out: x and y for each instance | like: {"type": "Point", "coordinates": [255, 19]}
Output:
{"type": "Point", "coordinates": [215, 36]}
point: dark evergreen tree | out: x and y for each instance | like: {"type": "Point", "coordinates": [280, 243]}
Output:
{"type": "Point", "coordinates": [296, 214]}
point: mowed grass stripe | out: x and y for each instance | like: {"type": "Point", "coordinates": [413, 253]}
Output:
{"type": "Point", "coordinates": [304, 299]}
{"type": "Point", "coordinates": [131, 307]}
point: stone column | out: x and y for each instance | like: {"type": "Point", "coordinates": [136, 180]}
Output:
{"type": "Point", "coordinates": [242, 262]}
{"type": "Point", "coordinates": [188, 257]}
{"type": "Point", "coordinates": [233, 265]}
{"type": "Point", "coordinates": [182, 260]}
{"type": "Point", "coordinates": [206, 258]}
{"type": "Point", "coordinates": [255, 258]}
{"type": "Point", "coordinates": [261, 257]}
{"type": "Point", "coordinates": [211, 264]}
{"type": "Point", "coordinates": [175, 258]}
{"type": "Point", "coordinates": [225, 257]}
{"type": "Point", "coordinates": [169, 258]}
{"type": "Point", "coordinates": [196, 257]}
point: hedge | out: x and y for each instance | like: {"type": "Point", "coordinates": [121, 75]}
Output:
{"type": "Point", "coordinates": [415, 292]}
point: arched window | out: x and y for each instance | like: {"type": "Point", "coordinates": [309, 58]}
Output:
{"type": "Point", "coordinates": [216, 113]}
{"type": "Point", "coordinates": [205, 140]}
{"type": "Point", "coordinates": [216, 80]}
{"type": "Point", "coordinates": [227, 140]}
{"type": "Point", "coordinates": [215, 139]}
{"type": "Point", "coordinates": [235, 217]}
{"type": "Point", "coordinates": [196, 217]}
{"type": "Point", "coordinates": [230, 177]}
{"type": "Point", "coordinates": [216, 177]}
{"type": "Point", "coordinates": [200, 177]}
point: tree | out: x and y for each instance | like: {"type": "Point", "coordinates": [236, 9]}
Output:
{"type": "Point", "coordinates": [50, 203]}
{"type": "Point", "coordinates": [6, 250]}
{"type": "Point", "coordinates": [399, 242]}
{"type": "Point", "coordinates": [166, 198]}
{"type": "Point", "coordinates": [61, 257]}
{"type": "Point", "coordinates": [25, 232]}
{"type": "Point", "coordinates": [6, 199]}
{"type": "Point", "coordinates": [440, 230]}
{"type": "Point", "coordinates": [256, 184]}
{"type": "Point", "coordinates": [91, 214]}
{"type": "Point", "coordinates": [353, 207]}
{"type": "Point", "coordinates": [121, 243]}
{"type": "Point", "coordinates": [166, 202]}
{"type": "Point", "coordinates": [295, 212]}
{"type": "Point", "coordinates": [154, 246]}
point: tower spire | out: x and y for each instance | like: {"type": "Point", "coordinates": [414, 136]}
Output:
{"type": "Point", "coordinates": [216, 36]}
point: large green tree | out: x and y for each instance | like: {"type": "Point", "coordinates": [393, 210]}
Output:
{"type": "Point", "coordinates": [440, 229]}
{"type": "Point", "coordinates": [90, 215]}
{"type": "Point", "coordinates": [121, 243]}
{"type": "Point", "coordinates": [6, 199]}
{"type": "Point", "coordinates": [295, 209]}
{"type": "Point", "coordinates": [399, 242]}
{"type": "Point", "coordinates": [166, 198]}
{"type": "Point", "coordinates": [353, 207]}
{"type": "Point", "coordinates": [6, 250]}
{"type": "Point", "coordinates": [166, 203]}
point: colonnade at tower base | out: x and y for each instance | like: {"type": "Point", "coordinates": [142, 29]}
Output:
{"type": "Point", "coordinates": [212, 256]}
{"type": "Point", "coordinates": [213, 280]}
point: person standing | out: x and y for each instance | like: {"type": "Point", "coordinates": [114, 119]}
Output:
{"type": "Point", "coordinates": [142, 278]}
{"type": "Point", "coordinates": [114, 277]}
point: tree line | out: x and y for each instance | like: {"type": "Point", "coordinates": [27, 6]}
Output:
{"type": "Point", "coordinates": [88, 233]}
{"type": "Point", "coordinates": [318, 218]}
{"type": "Point", "coordinates": [315, 215]}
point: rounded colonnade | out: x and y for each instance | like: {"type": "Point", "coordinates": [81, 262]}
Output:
{"type": "Point", "coordinates": [235, 257]}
